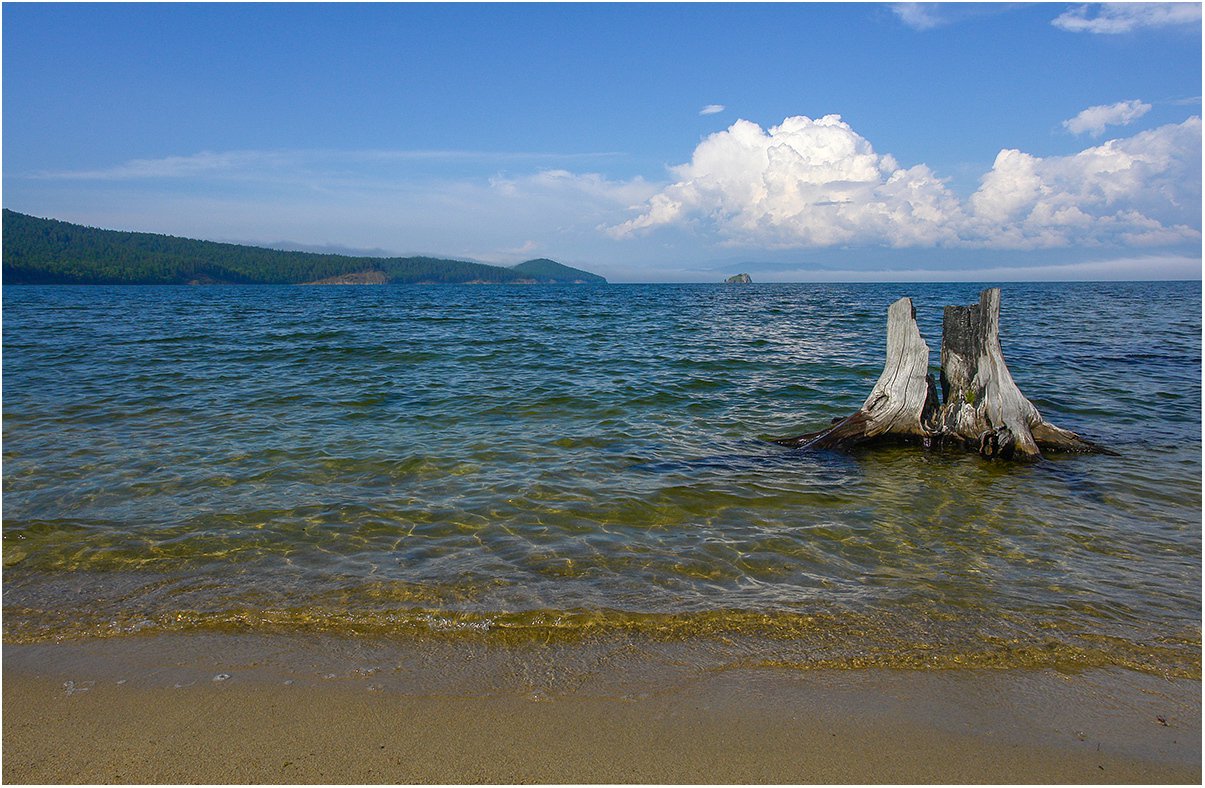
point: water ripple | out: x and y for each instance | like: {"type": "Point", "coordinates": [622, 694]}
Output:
{"type": "Point", "coordinates": [215, 455]}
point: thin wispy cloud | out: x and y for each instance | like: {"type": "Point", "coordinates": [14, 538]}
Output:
{"type": "Point", "coordinates": [527, 247]}
{"type": "Point", "coordinates": [1094, 120]}
{"type": "Point", "coordinates": [206, 163]}
{"type": "Point", "coordinates": [712, 109]}
{"type": "Point", "coordinates": [919, 16]}
{"type": "Point", "coordinates": [928, 16]}
{"type": "Point", "coordinates": [569, 187]}
{"type": "Point", "coordinates": [251, 162]}
{"type": "Point", "coordinates": [1164, 267]}
{"type": "Point", "coordinates": [1118, 18]}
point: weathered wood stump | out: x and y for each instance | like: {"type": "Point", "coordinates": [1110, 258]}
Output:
{"type": "Point", "coordinates": [981, 407]}
{"type": "Point", "coordinates": [903, 403]}
{"type": "Point", "coordinates": [981, 404]}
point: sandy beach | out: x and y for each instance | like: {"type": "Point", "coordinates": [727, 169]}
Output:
{"type": "Point", "coordinates": [238, 709]}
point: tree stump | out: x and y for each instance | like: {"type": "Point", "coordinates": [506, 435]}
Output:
{"type": "Point", "coordinates": [981, 404]}
{"type": "Point", "coordinates": [981, 407]}
{"type": "Point", "coordinates": [903, 404]}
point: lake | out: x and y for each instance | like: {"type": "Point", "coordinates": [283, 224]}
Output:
{"type": "Point", "coordinates": [560, 464]}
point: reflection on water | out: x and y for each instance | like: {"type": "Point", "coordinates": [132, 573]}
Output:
{"type": "Point", "coordinates": [558, 462]}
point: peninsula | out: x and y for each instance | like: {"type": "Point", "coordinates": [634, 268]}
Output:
{"type": "Point", "coordinates": [47, 251]}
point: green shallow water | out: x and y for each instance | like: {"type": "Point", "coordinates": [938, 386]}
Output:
{"type": "Point", "coordinates": [560, 464]}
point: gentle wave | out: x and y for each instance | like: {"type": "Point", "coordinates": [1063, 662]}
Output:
{"type": "Point", "coordinates": [734, 638]}
{"type": "Point", "coordinates": [194, 457]}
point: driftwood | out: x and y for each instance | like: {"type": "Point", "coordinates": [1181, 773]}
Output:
{"type": "Point", "coordinates": [981, 407]}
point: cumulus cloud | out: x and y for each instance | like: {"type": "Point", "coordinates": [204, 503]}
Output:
{"type": "Point", "coordinates": [1093, 120]}
{"type": "Point", "coordinates": [712, 109]}
{"type": "Point", "coordinates": [818, 183]}
{"type": "Point", "coordinates": [1115, 18]}
{"type": "Point", "coordinates": [1143, 190]}
{"type": "Point", "coordinates": [802, 183]}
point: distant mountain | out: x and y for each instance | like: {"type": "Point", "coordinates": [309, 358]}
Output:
{"type": "Point", "coordinates": [47, 251]}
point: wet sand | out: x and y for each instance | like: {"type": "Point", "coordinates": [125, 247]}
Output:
{"type": "Point", "coordinates": [241, 710]}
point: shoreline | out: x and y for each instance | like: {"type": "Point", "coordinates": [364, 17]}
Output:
{"type": "Point", "coordinates": [253, 708]}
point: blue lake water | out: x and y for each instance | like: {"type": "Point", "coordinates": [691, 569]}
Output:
{"type": "Point", "coordinates": [565, 463]}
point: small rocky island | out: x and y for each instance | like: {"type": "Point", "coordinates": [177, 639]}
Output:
{"type": "Point", "coordinates": [739, 279]}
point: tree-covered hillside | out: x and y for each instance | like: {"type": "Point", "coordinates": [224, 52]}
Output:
{"type": "Point", "coordinates": [47, 251]}
{"type": "Point", "coordinates": [544, 269]}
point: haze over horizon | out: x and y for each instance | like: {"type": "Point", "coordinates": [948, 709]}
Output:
{"type": "Point", "coordinates": [672, 142]}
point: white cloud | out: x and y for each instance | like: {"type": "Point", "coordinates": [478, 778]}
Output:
{"type": "Point", "coordinates": [560, 185]}
{"type": "Point", "coordinates": [1159, 267]}
{"type": "Point", "coordinates": [1115, 18]}
{"type": "Point", "coordinates": [356, 199]}
{"type": "Point", "coordinates": [1144, 190]}
{"type": "Point", "coordinates": [919, 16]}
{"type": "Point", "coordinates": [927, 16]}
{"type": "Point", "coordinates": [257, 163]}
{"type": "Point", "coordinates": [802, 183]}
{"type": "Point", "coordinates": [712, 109]}
{"type": "Point", "coordinates": [527, 247]}
{"type": "Point", "coordinates": [206, 163]}
{"type": "Point", "coordinates": [1093, 120]}
{"type": "Point", "coordinates": [817, 183]}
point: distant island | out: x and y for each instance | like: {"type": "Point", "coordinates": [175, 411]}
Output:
{"type": "Point", "coordinates": [739, 279]}
{"type": "Point", "coordinates": [47, 251]}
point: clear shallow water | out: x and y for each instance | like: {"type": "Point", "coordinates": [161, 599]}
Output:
{"type": "Point", "coordinates": [538, 464]}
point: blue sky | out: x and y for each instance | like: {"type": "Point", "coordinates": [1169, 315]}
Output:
{"type": "Point", "coordinates": [652, 142]}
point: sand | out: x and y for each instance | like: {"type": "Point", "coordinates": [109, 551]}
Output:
{"type": "Point", "coordinates": [99, 713]}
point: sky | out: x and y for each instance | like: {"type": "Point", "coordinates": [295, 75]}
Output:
{"type": "Point", "coordinates": [644, 142]}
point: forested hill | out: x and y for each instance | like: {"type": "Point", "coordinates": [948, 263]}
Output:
{"type": "Point", "coordinates": [47, 251]}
